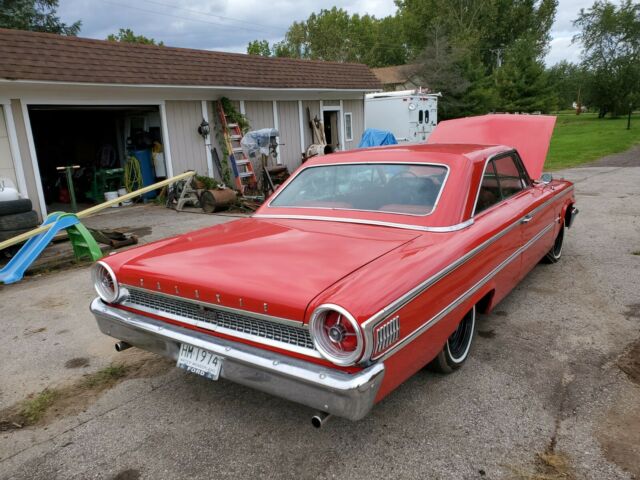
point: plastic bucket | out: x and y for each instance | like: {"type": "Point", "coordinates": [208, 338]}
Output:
{"type": "Point", "coordinates": [121, 192]}
{"type": "Point", "coordinates": [111, 196]}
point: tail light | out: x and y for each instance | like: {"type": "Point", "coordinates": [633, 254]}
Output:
{"type": "Point", "coordinates": [336, 334]}
{"type": "Point", "coordinates": [105, 282]}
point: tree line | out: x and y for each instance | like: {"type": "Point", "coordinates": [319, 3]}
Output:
{"type": "Point", "coordinates": [483, 55]}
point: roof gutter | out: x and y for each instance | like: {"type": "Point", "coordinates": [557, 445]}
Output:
{"type": "Point", "coordinates": [200, 87]}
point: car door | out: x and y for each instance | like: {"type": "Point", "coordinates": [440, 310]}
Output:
{"type": "Point", "coordinates": [499, 208]}
{"type": "Point", "coordinates": [539, 222]}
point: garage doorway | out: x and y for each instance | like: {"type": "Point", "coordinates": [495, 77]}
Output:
{"type": "Point", "coordinates": [96, 141]}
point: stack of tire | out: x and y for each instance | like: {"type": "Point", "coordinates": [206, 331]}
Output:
{"type": "Point", "coordinates": [16, 217]}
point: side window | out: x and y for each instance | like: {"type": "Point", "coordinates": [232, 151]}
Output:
{"type": "Point", "coordinates": [420, 117]}
{"type": "Point", "coordinates": [426, 116]}
{"type": "Point", "coordinates": [489, 189]}
{"type": "Point", "coordinates": [510, 177]}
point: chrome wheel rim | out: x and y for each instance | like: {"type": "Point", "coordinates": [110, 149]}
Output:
{"type": "Point", "coordinates": [459, 343]}
{"type": "Point", "coordinates": [557, 246]}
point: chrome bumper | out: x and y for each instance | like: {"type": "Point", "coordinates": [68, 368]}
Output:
{"type": "Point", "coordinates": [345, 395]}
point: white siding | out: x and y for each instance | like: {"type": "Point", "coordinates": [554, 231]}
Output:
{"type": "Point", "coordinates": [188, 150]}
{"type": "Point", "coordinates": [259, 114]}
{"type": "Point", "coordinates": [289, 127]}
{"type": "Point", "coordinates": [25, 153]}
{"type": "Point", "coordinates": [7, 170]}
{"type": "Point", "coordinates": [356, 108]}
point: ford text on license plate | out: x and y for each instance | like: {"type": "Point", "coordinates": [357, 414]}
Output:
{"type": "Point", "coordinates": [199, 361]}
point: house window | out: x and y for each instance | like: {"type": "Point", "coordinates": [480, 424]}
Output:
{"type": "Point", "coordinates": [348, 127]}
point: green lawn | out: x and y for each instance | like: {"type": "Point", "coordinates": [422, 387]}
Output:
{"type": "Point", "coordinates": [583, 138]}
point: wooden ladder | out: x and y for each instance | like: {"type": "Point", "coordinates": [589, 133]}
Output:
{"type": "Point", "coordinates": [242, 168]}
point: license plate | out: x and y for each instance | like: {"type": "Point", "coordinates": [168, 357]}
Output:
{"type": "Point", "coordinates": [199, 361]}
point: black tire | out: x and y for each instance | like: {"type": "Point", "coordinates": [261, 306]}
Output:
{"type": "Point", "coordinates": [554, 255]}
{"type": "Point", "coordinates": [7, 234]}
{"type": "Point", "coordinates": [458, 345]}
{"type": "Point", "coordinates": [19, 221]}
{"type": "Point", "coordinates": [10, 207]}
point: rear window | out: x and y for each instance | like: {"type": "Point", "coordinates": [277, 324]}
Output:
{"type": "Point", "coordinates": [407, 189]}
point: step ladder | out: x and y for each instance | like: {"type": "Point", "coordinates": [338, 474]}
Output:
{"type": "Point", "coordinates": [242, 168]}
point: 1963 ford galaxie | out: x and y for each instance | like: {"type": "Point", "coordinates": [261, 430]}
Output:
{"type": "Point", "coordinates": [363, 268]}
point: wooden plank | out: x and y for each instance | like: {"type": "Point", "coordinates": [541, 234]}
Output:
{"type": "Point", "coordinates": [97, 208]}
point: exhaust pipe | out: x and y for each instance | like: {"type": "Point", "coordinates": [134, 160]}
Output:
{"type": "Point", "coordinates": [120, 346]}
{"type": "Point", "coordinates": [319, 419]}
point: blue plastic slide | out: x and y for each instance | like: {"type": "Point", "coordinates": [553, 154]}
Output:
{"type": "Point", "coordinates": [14, 270]}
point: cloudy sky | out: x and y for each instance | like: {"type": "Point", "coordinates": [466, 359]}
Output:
{"type": "Point", "coordinates": [230, 24]}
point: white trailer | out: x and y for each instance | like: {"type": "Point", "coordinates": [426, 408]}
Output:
{"type": "Point", "coordinates": [411, 115]}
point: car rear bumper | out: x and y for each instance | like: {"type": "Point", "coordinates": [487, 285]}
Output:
{"type": "Point", "coordinates": [345, 395]}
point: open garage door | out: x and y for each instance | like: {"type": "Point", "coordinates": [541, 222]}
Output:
{"type": "Point", "coordinates": [97, 142]}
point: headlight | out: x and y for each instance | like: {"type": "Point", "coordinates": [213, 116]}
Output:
{"type": "Point", "coordinates": [336, 334]}
{"type": "Point", "coordinates": [105, 282]}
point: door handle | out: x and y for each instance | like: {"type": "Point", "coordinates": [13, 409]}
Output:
{"type": "Point", "coordinates": [527, 218]}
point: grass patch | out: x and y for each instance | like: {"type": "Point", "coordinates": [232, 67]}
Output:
{"type": "Point", "coordinates": [105, 377]}
{"type": "Point", "coordinates": [34, 409]}
{"type": "Point", "coordinates": [50, 404]}
{"type": "Point", "coordinates": [637, 252]}
{"type": "Point", "coordinates": [583, 138]}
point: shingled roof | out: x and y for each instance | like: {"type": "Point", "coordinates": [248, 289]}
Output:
{"type": "Point", "coordinates": [54, 58]}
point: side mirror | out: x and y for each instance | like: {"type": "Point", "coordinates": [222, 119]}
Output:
{"type": "Point", "coordinates": [546, 178]}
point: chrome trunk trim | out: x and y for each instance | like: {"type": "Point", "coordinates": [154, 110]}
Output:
{"type": "Point", "coordinates": [376, 223]}
{"type": "Point", "coordinates": [292, 336]}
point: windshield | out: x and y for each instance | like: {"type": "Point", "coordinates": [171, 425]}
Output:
{"type": "Point", "coordinates": [409, 189]}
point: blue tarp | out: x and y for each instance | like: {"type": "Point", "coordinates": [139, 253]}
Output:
{"type": "Point", "coordinates": [375, 138]}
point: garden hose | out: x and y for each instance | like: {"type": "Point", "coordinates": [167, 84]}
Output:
{"type": "Point", "coordinates": [132, 174]}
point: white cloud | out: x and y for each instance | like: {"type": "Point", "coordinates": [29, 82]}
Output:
{"type": "Point", "coordinates": [563, 31]}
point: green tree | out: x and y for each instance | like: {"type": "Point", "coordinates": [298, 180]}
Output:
{"type": "Point", "coordinates": [126, 35]}
{"type": "Point", "coordinates": [499, 44]}
{"type": "Point", "coordinates": [35, 15]}
{"type": "Point", "coordinates": [259, 47]}
{"type": "Point", "coordinates": [363, 39]}
{"type": "Point", "coordinates": [522, 83]}
{"type": "Point", "coordinates": [610, 38]}
{"type": "Point", "coordinates": [569, 81]}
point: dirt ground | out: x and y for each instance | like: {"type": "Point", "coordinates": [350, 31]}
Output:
{"type": "Point", "coordinates": [551, 390]}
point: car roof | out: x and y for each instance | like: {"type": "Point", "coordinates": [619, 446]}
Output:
{"type": "Point", "coordinates": [422, 152]}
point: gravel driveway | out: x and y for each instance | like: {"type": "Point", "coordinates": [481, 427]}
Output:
{"type": "Point", "coordinates": [543, 396]}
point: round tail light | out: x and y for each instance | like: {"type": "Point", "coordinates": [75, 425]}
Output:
{"type": "Point", "coordinates": [336, 334]}
{"type": "Point", "coordinates": [105, 282]}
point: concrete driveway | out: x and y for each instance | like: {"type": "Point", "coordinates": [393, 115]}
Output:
{"type": "Point", "coordinates": [543, 395]}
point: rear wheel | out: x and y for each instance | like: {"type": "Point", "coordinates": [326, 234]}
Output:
{"type": "Point", "coordinates": [553, 255]}
{"type": "Point", "coordinates": [456, 350]}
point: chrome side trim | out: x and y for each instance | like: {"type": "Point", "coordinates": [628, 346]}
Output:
{"type": "Point", "coordinates": [369, 325]}
{"type": "Point", "coordinates": [452, 228]}
{"type": "Point", "coordinates": [348, 395]}
{"type": "Point", "coordinates": [426, 164]}
{"type": "Point", "coordinates": [387, 333]}
{"type": "Point", "coordinates": [217, 306]}
{"type": "Point", "coordinates": [452, 306]}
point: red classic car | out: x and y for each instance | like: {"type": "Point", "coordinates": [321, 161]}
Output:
{"type": "Point", "coordinates": [360, 270]}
